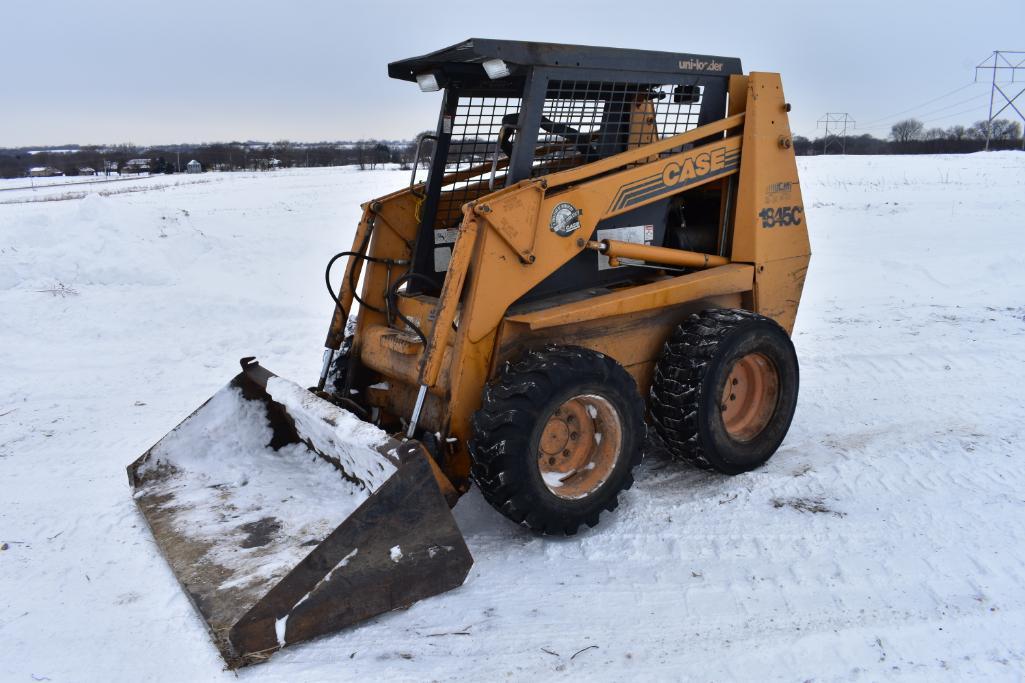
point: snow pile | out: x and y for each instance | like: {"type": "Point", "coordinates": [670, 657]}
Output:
{"type": "Point", "coordinates": [95, 241]}
{"type": "Point", "coordinates": [336, 433]}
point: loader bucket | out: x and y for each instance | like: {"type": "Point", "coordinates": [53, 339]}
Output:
{"type": "Point", "coordinates": [285, 517]}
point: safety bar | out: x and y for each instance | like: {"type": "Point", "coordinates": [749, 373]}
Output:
{"type": "Point", "coordinates": [498, 148]}
{"type": "Point", "coordinates": [416, 157]}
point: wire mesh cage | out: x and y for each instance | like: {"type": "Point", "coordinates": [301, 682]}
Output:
{"type": "Point", "coordinates": [476, 126]}
{"type": "Point", "coordinates": [583, 121]}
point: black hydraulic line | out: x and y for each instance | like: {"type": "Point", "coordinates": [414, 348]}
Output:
{"type": "Point", "coordinates": [393, 293]}
{"type": "Point", "coordinates": [327, 277]}
{"type": "Point", "coordinates": [361, 254]}
{"type": "Point", "coordinates": [327, 280]}
{"type": "Point", "coordinates": [352, 271]}
{"type": "Point", "coordinates": [390, 295]}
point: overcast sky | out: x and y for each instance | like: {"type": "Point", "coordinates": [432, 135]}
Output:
{"type": "Point", "coordinates": [166, 71]}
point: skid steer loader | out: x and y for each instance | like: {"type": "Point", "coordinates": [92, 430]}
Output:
{"type": "Point", "coordinates": [605, 239]}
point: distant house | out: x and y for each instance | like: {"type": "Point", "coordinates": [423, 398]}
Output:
{"type": "Point", "coordinates": [193, 167]}
{"type": "Point", "coordinates": [43, 172]}
{"type": "Point", "coordinates": [136, 166]}
{"type": "Point", "coordinates": [87, 170]}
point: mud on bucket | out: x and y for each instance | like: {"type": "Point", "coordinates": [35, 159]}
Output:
{"type": "Point", "coordinates": [285, 517]}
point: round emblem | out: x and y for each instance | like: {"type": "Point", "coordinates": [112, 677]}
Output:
{"type": "Point", "coordinates": [565, 219]}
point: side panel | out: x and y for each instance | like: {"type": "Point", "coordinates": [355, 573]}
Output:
{"type": "Point", "coordinates": [505, 277]}
{"type": "Point", "coordinates": [770, 225]}
{"type": "Point", "coordinates": [778, 287]}
{"type": "Point", "coordinates": [731, 278]}
{"type": "Point", "coordinates": [469, 376]}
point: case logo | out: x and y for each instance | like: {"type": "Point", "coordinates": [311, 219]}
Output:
{"type": "Point", "coordinates": [565, 219]}
{"type": "Point", "coordinates": [682, 170]}
{"type": "Point", "coordinates": [692, 168]}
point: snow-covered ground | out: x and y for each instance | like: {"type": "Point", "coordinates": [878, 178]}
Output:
{"type": "Point", "coordinates": [885, 539]}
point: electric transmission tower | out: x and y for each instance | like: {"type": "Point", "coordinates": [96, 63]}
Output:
{"type": "Point", "coordinates": [838, 121]}
{"type": "Point", "coordinates": [1006, 63]}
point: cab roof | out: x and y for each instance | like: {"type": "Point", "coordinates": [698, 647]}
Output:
{"type": "Point", "coordinates": [474, 51]}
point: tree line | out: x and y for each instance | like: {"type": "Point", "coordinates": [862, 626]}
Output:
{"type": "Point", "coordinates": [227, 156]}
{"type": "Point", "coordinates": [910, 136]}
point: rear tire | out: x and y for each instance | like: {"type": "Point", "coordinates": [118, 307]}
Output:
{"type": "Point", "coordinates": [556, 438]}
{"type": "Point", "coordinates": [725, 390]}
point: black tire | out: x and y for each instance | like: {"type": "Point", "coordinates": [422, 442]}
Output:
{"type": "Point", "coordinates": [687, 391]}
{"type": "Point", "coordinates": [518, 408]}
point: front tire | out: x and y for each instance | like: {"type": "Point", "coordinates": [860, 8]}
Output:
{"type": "Point", "coordinates": [556, 438]}
{"type": "Point", "coordinates": [725, 390]}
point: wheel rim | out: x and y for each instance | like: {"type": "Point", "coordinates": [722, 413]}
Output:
{"type": "Point", "coordinates": [579, 446]}
{"type": "Point", "coordinates": [749, 396]}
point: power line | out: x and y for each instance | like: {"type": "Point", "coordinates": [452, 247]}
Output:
{"type": "Point", "coordinates": [956, 113]}
{"type": "Point", "coordinates": [1008, 64]}
{"type": "Point", "coordinates": [918, 106]}
{"type": "Point", "coordinates": [980, 110]}
{"type": "Point", "coordinates": [951, 106]}
{"type": "Point", "coordinates": [934, 111]}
